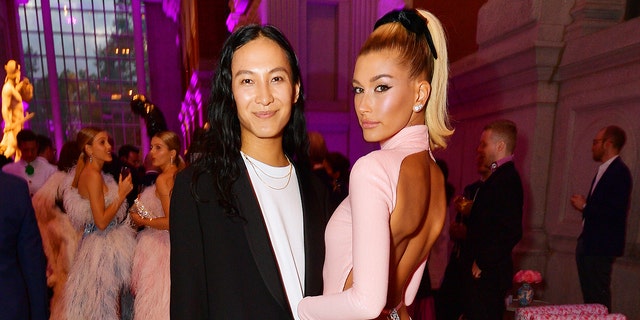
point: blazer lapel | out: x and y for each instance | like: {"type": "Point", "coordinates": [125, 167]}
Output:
{"type": "Point", "coordinates": [605, 176]}
{"type": "Point", "coordinates": [314, 210]}
{"type": "Point", "coordinates": [258, 237]}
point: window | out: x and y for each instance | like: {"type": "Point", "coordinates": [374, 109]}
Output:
{"type": "Point", "coordinates": [93, 52]}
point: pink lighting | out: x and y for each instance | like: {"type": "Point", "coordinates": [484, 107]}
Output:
{"type": "Point", "coordinates": [171, 9]}
{"type": "Point", "coordinates": [71, 20]}
{"type": "Point", "coordinates": [191, 112]}
{"type": "Point", "coordinates": [386, 6]}
{"type": "Point", "coordinates": [238, 8]}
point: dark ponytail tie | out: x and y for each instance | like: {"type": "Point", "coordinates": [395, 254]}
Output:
{"type": "Point", "coordinates": [412, 21]}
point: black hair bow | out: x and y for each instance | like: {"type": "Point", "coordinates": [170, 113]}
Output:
{"type": "Point", "coordinates": [412, 21]}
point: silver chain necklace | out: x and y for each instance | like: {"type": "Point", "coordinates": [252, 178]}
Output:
{"type": "Point", "coordinates": [257, 168]}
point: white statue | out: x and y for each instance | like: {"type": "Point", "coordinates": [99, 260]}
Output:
{"type": "Point", "coordinates": [14, 91]}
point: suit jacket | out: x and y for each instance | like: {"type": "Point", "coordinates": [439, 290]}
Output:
{"type": "Point", "coordinates": [494, 226]}
{"type": "Point", "coordinates": [23, 284]}
{"type": "Point", "coordinates": [225, 268]}
{"type": "Point", "coordinates": [605, 215]}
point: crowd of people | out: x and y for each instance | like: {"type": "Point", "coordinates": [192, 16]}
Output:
{"type": "Point", "coordinates": [96, 267]}
{"type": "Point", "coordinates": [263, 222]}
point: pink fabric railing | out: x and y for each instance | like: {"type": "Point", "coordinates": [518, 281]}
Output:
{"type": "Point", "coordinates": [566, 312]}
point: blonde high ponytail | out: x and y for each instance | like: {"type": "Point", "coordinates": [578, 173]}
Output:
{"type": "Point", "coordinates": [436, 115]}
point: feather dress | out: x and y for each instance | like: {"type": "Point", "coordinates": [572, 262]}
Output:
{"type": "Point", "coordinates": [59, 239]}
{"type": "Point", "coordinates": [150, 279]}
{"type": "Point", "coordinates": [102, 264]}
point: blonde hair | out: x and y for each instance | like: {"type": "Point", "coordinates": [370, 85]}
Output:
{"type": "Point", "coordinates": [84, 137]}
{"type": "Point", "coordinates": [415, 54]}
{"type": "Point", "coordinates": [172, 141]}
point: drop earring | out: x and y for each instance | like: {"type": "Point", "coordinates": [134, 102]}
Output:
{"type": "Point", "coordinates": [90, 158]}
{"type": "Point", "coordinates": [417, 107]}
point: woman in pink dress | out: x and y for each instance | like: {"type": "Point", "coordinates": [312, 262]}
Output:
{"type": "Point", "coordinates": [379, 238]}
{"type": "Point", "coordinates": [150, 279]}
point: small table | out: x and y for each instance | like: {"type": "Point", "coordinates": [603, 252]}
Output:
{"type": "Point", "coordinates": [510, 312]}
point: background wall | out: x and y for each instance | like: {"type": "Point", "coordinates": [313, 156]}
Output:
{"type": "Point", "coordinates": [561, 70]}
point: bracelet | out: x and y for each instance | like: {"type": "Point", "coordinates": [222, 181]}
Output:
{"type": "Point", "coordinates": [139, 208]}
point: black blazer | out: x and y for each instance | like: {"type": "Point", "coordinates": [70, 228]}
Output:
{"type": "Point", "coordinates": [605, 215]}
{"type": "Point", "coordinates": [225, 268]}
{"type": "Point", "coordinates": [494, 225]}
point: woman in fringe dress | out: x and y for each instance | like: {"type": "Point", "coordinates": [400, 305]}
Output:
{"type": "Point", "coordinates": [101, 270]}
{"type": "Point", "coordinates": [150, 278]}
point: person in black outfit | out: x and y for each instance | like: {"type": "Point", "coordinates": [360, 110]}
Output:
{"type": "Point", "coordinates": [247, 215]}
{"type": "Point", "coordinates": [494, 226]}
{"type": "Point", "coordinates": [604, 216]}
{"type": "Point", "coordinates": [448, 299]}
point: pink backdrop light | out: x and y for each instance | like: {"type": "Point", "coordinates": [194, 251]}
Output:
{"type": "Point", "coordinates": [238, 8]}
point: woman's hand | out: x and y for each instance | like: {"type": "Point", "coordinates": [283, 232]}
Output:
{"type": "Point", "coordinates": [137, 220]}
{"type": "Point", "coordinates": [124, 186]}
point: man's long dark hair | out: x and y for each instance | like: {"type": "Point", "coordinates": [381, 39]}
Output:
{"type": "Point", "coordinates": [221, 143]}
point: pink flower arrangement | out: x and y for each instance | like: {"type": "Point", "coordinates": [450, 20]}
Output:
{"type": "Point", "coordinates": [528, 276]}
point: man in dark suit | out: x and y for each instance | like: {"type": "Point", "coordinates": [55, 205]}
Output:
{"type": "Point", "coordinates": [23, 284]}
{"type": "Point", "coordinates": [604, 217]}
{"type": "Point", "coordinates": [247, 224]}
{"type": "Point", "coordinates": [494, 225]}
{"type": "Point", "coordinates": [233, 270]}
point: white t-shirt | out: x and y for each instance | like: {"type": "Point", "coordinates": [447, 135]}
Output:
{"type": "Point", "coordinates": [278, 194]}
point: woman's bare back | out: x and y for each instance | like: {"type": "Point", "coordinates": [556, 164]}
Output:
{"type": "Point", "coordinates": [415, 224]}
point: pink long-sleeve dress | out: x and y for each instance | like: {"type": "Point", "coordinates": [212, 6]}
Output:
{"type": "Point", "coordinates": [358, 236]}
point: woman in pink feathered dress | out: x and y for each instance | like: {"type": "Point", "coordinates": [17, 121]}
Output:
{"type": "Point", "coordinates": [150, 279]}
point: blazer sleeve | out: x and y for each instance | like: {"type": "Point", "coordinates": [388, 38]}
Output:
{"type": "Point", "coordinates": [188, 281]}
{"type": "Point", "coordinates": [31, 256]}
